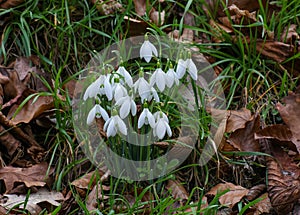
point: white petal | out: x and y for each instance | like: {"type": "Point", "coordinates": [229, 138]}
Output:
{"type": "Point", "coordinates": [121, 101]}
{"type": "Point", "coordinates": [108, 89]}
{"type": "Point", "coordinates": [146, 52]}
{"type": "Point", "coordinates": [121, 125]}
{"type": "Point", "coordinates": [161, 81]}
{"type": "Point", "coordinates": [104, 114]}
{"type": "Point", "coordinates": [141, 120]}
{"type": "Point", "coordinates": [120, 92]}
{"type": "Point", "coordinates": [151, 119]}
{"type": "Point", "coordinates": [192, 69]}
{"type": "Point", "coordinates": [133, 108]}
{"type": "Point", "coordinates": [125, 108]}
{"type": "Point", "coordinates": [111, 130]}
{"type": "Point", "coordinates": [126, 75]}
{"type": "Point", "coordinates": [106, 124]}
{"type": "Point", "coordinates": [181, 68]}
{"type": "Point", "coordinates": [168, 129]}
{"type": "Point", "coordinates": [155, 95]}
{"type": "Point", "coordinates": [91, 116]}
{"type": "Point", "coordinates": [160, 129]}
{"type": "Point", "coordinates": [153, 49]}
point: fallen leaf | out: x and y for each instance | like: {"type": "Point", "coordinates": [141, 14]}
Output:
{"type": "Point", "coordinates": [243, 139]}
{"type": "Point", "coordinates": [274, 50]}
{"type": "Point", "coordinates": [34, 108]}
{"type": "Point", "coordinates": [279, 132]}
{"type": "Point", "coordinates": [158, 18]}
{"type": "Point", "coordinates": [8, 141]}
{"type": "Point", "coordinates": [290, 113]}
{"type": "Point", "coordinates": [235, 194]}
{"type": "Point", "coordinates": [289, 34]}
{"type": "Point", "coordinates": [6, 4]}
{"type": "Point", "coordinates": [237, 119]}
{"type": "Point", "coordinates": [33, 200]}
{"type": "Point", "coordinates": [108, 7]}
{"type": "Point", "coordinates": [255, 191]}
{"type": "Point", "coordinates": [31, 176]}
{"type": "Point", "coordinates": [264, 206]}
{"type": "Point", "coordinates": [283, 178]}
{"type": "Point", "coordinates": [140, 7]}
{"type": "Point", "coordinates": [177, 190]}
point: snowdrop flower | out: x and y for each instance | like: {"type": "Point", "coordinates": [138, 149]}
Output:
{"type": "Point", "coordinates": [146, 118]}
{"type": "Point", "coordinates": [119, 90]}
{"type": "Point", "coordinates": [147, 49]}
{"type": "Point", "coordinates": [171, 77]}
{"type": "Point", "coordinates": [181, 68]}
{"type": "Point", "coordinates": [162, 126]}
{"type": "Point", "coordinates": [125, 74]}
{"type": "Point", "coordinates": [159, 114]}
{"type": "Point", "coordinates": [94, 88]}
{"type": "Point", "coordinates": [153, 94]}
{"type": "Point", "coordinates": [126, 104]}
{"type": "Point", "coordinates": [159, 78]}
{"type": "Point", "coordinates": [97, 111]}
{"type": "Point", "coordinates": [115, 124]}
{"type": "Point", "coordinates": [142, 87]}
{"type": "Point", "coordinates": [191, 68]}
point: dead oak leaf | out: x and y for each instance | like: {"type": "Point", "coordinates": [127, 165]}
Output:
{"type": "Point", "coordinates": [35, 107]}
{"type": "Point", "coordinates": [31, 176]}
{"type": "Point", "coordinates": [33, 200]}
{"type": "Point", "coordinates": [235, 194]}
{"type": "Point", "coordinates": [290, 113]}
{"type": "Point", "coordinates": [243, 139]}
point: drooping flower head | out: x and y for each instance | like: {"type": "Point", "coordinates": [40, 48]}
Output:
{"type": "Point", "coordinates": [161, 126]}
{"type": "Point", "coordinates": [114, 125]}
{"type": "Point", "coordinates": [147, 50]}
{"type": "Point", "coordinates": [158, 78]}
{"type": "Point", "coordinates": [142, 87]}
{"type": "Point", "coordinates": [171, 77]}
{"type": "Point", "coordinates": [97, 111]}
{"type": "Point", "coordinates": [146, 118]}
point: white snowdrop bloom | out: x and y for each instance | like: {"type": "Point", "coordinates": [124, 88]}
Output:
{"type": "Point", "coordinates": [181, 68]}
{"type": "Point", "coordinates": [107, 88]}
{"type": "Point", "coordinates": [159, 79]}
{"type": "Point", "coordinates": [147, 49]}
{"type": "Point", "coordinates": [97, 111]}
{"type": "Point", "coordinates": [171, 78]}
{"type": "Point", "coordinates": [142, 87]}
{"type": "Point", "coordinates": [146, 118]}
{"type": "Point", "coordinates": [115, 124]}
{"type": "Point", "coordinates": [153, 94]}
{"type": "Point", "coordinates": [94, 88]}
{"type": "Point", "coordinates": [125, 74]}
{"type": "Point", "coordinates": [119, 91]}
{"type": "Point", "coordinates": [126, 104]}
{"type": "Point", "coordinates": [159, 114]}
{"type": "Point", "coordinates": [192, 69]}
{"type": "Point", "coordinates": [161, 127]}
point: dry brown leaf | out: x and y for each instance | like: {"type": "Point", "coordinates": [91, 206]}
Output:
{"type": "Point", "coordinates": [216, 5]}
{"type": "Point", "coordinates": [177, 190]}
{"type": "Point", "coordinates": [279, 132]}
{"type": "Point", "coordinates": [255, 191]}
{"type": "Point", "coordinates": [238, 119]}
{"type": "Point", "coordinates": [33, 200]}
{"type": "Point", "coordinates": [8, 141]}
{"type": "Point", "coordinates": [235, 194]}
{"type": "Point", "coordinates": [264, 206]}
{"type": "Point", "coordinates": [6, 4]}
{"type": "Point", "coordinates": [140, 7]}
{"type": "Point", "coordinates": [32, 109]}
{"type": "Point", "coordinates": [95, 195]}
{"type": "Point", "coordinates": [283, 178]}
{"type": "Point", "coordinates": [290, 113]}
{"type": "Point", "coordinates": [274, 50]}
{"type": "Point", "coordinates": [290, 34]}
{"type": "Point", "coordinates": [158, 18]}
{"type": "Point", "coordinates": [31, 176]}
{"type": "Point", "coordinates": [108, 7]}
{"type": "Point", "coordinates": [243, 138]}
